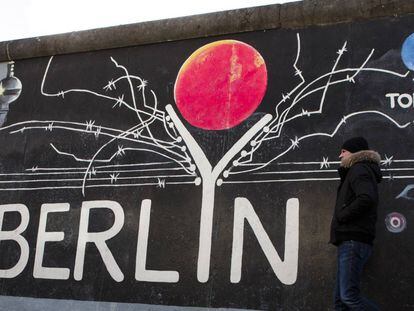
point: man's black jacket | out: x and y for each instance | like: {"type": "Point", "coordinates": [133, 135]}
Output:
{"type": "Point", "coordinates": [355, 212]}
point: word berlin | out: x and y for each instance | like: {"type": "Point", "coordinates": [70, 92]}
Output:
{"type": "Point", "coordinates": [285, 270]}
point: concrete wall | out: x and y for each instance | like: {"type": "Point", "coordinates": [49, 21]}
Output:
{"type": "Point", "coordinates": [190, 164]}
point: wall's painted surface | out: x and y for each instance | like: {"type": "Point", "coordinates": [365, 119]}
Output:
{"type": "Point", "coordinates": [202, 173]}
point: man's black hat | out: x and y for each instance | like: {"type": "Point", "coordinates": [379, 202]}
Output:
{"type": "Point", "coordinates": [355, 144]}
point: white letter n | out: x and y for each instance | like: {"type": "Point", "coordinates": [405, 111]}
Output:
{"type": "Point", "coordinates": [286, 270]}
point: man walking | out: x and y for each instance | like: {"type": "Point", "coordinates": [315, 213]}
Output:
{"type": "Point", "coordinates": [353, 222]}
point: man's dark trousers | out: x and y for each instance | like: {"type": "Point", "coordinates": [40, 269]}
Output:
{"type": "Point", "coordinates": [352, 256]}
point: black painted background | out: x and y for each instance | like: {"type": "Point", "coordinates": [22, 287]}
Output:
{"type": "Point", "coordinates": [174, 229]}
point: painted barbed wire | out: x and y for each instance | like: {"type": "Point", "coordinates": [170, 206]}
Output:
{"type": "Point", "coordinates": [148, 116]}
{"type": "Point", "coordinates": [245, 161]}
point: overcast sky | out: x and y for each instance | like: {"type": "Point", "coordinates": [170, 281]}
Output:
{"type": "Point", "coordinates": [32, 18]}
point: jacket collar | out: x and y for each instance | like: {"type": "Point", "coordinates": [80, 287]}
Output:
{"type": "Point", "coordinates": [360, 156]}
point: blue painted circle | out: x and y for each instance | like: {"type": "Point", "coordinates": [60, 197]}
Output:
{"type": "Point", "coordinates": [407, 52]}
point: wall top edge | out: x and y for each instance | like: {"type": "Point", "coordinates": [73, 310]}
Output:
{"type": "Point", "coordinates": [288, 15]}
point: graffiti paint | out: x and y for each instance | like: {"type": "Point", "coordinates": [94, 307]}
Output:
{"type": "Point", "coordinates": [406, 193]}
{"type": "Point", "coordinates": [285, 270]}
{"type": "Point", "coordinates": [407, 52]}
{"type": "Point", "coordinates": [10, 89]}
{"type": "Point", "coordinates": [142, 175]}
{"type": "Point", "coordinates": [221, 84]}
{"type": "Point", "coordinates": [395, 222]}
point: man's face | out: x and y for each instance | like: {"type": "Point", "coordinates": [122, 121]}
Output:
{"type": "Point", "coordinates": [344, 154]}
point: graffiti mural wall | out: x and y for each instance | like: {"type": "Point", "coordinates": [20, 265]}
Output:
{"type": "Point", "coordinates": [202, 173]}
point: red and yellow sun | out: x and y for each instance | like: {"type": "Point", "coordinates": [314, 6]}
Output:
{"type": "Point", "coordinates": [220, 85]}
